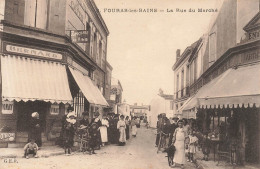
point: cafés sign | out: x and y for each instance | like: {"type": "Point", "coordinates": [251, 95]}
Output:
{"type": "Point", "coordinates": [33, 52]}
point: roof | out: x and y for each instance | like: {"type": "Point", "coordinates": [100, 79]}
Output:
{"type": "Point", "coordinates": [116, 83]}
{"type": "Point", "coordinates": [189, 50]}
{"type": "Point", "coordinates": [167, 96]}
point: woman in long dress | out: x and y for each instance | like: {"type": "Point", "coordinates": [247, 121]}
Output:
{"type": "Point", "coordinates": [121, 126]}
{"type": "Point", "coordinates": [179, 142]}
{"type": "Point", "coordinates": [133, 126]}
{"type": "Point", "coordinates": [103, 130]}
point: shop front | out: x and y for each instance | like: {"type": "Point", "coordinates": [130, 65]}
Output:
{"type": "Point", "coordinates": [33, 80]}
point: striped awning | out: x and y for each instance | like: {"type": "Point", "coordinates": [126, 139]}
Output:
{"type": "Point", "coordinates": [235, 88]}
{"type": "Point", "coordinates": [25, 79]}
{"type": "Point", "coordinates": [90, 91]}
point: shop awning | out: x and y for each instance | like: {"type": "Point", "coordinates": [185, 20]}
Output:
{"type": "Point", "coordinates": [236, 88]}
{"type": "Point", "coordinates": [90, 91]}
{"type": "Point", "coordinates": [32, 79]}
{"type": "Point", "coordinates": [192, 103]}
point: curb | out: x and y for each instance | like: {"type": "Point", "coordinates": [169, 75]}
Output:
{"type": "Point", "coordinates": [43, 155]}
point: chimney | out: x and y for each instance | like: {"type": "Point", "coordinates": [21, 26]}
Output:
{"type": "Point", "coordinates": [178, 54]}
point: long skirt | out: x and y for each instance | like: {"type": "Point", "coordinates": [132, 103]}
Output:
{"type": "Point", "coordinates": [103, 132]}
{"type": "Point", "coordinates": [122, 137]}
{"type": "Point", "coordinates": [134, 130]}
{"type": "Point", "coordinates": [179, 156]}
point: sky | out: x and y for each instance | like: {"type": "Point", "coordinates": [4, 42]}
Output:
{"type": "Point", "coordinates": [142, 46]}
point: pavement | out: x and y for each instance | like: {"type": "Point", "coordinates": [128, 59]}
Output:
{"type": "Point", "coordinates": [138, 153]}
{"type": "Point", "coordinates": [45, 151]}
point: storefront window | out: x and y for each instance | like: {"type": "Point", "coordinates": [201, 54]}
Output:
{"type": "Point", "coordinates": [78, 104]}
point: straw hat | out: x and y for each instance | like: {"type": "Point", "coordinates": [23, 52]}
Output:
{"type": "Point", "coordinates": [71, 114]}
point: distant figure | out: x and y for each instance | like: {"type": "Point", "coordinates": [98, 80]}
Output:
{"type": "Point", "coordinates": [35, 129]}
{"type": "Point", "coordinates": [158, 126]}
{"type": "Point", "coordinates": [127, 122]}
{"type": "Point", "coordinates": [30, 148]}
{"type": "Point", "coordinates": [121, 126]}
{"type": "Point", "coordinates": [133, 126]}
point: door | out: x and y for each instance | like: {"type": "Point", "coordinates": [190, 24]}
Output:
{"type": "Point", "coordinates": [24, 111]}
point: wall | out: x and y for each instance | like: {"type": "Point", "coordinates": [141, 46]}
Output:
{"type": "Point", "coordinates": [57, 15]}
{"type": "Point", "coordinates": [245, 14]}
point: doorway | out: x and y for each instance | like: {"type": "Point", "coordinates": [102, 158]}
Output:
{"type": "Point", "coordinates": [24, 111]}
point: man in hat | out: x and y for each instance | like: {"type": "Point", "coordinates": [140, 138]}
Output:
{"type": "Point", "coordinates": [35, 129]}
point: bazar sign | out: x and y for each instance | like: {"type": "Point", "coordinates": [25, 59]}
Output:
{"type": "Point", "coordinates": [7, 136]}
{"type": "Point", "coordinates": [33, 52]}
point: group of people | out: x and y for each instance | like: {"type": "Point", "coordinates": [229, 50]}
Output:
{"type": "Point", "coordinates": [180, 134]}
{"type": "Point", "coordinates": [110, 129]}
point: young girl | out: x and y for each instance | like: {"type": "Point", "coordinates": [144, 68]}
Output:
{"type": "Point", "coordinates": [193, 141]}
{"type": "Point", "coordinates": [69, 132]}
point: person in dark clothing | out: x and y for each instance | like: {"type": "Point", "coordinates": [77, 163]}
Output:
{"type": "Point", "coordinates": [85, 120]}
{"type": "Point", "coordinates": [97, 121]}
{"type": "Point", "coordinates": [173, 126]}
{"type": "Point", "coordinates": [158, 126]}
{"type": "Point", "coordinates": [93, 133]}
{"type": "Point", "coordinates": [127, 127]}
{"type": "Point", "coordinates": [69, 132]}
{"type": "Point", "coordinates": [109, 130]}
{"type": "Point", "coordinates": [35, 129]}
{"type": "Point", "coordinates": [63, 122]}
{"type": "Point", "coordinates": [205, 147]}
{"type": "Point", "coordinates": [114, 130]}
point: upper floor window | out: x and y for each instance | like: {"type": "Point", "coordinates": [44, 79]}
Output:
{"type": "Point", "coordinates": [213, 45]}
{"type": "Point", "coordinates": [35, 13]}
{"type": "Point", "coordinates": [182, 79]}
{"type": "Point", "coordinates": [177, 83]}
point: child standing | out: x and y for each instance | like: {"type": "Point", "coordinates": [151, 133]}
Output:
{"type": "Point", "coordinates": [193, 141]}
{"type": "Point", "coordinates": [30, 148]}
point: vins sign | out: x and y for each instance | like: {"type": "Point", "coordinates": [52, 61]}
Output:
{"type": "Point", "coordinates": [79, 36]}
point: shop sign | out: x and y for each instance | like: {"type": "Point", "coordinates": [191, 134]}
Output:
{"type": "Point", "coordinates": [33, 52]}
{"type": "Point", "coordinates": [4, 137]}
{"type": "Point", "coordinates": [251, 56]}
{"type": "Point", "coordinates": [7, 107]}
{"type": "Point", "coordinates": [80, 36]}
{"type": "Point", "coordinates": [55, 109]}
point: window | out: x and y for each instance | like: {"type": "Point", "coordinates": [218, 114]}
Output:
{"type": "Point", "coordinates": [177, 83]}
{"type": "Point", "coordinates": [35, 13]}
{"type": "Point", "coordinates": [212, 45]}
{"type": "Point", "coordinates": [176, 106]}
{"type": "Point", "coordinates": [78, 104]}
{"type": "Point", "coordinates": [191, 73]}
{"type": "Point", "coordinates": [195, 68]}
{"type": "Point", "coordinates": [182, 79]}
{"type": "Point", "coordinates": [187, 76]}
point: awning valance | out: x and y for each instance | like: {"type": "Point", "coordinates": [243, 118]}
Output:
{"type": "Point", "coordinates": [236, 88]}
{"type": "Point", "coordinates": [32, 79]}
{"type": "Point", "coordinates": [90, 91]}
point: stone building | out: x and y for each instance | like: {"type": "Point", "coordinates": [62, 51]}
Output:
{"type": "Point", "coordinates": [53, 54]}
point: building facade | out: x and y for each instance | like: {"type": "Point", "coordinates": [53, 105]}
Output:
{"type": "Point", "coordinates": [225, 96]}
{"type": "Point", "coordinates": [56, 57]}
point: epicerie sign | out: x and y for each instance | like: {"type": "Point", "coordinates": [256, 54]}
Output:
{"type": "Point", "coordinates": [33, 52]}
{"type": "Point", "coordinates": [7, 107]}
{"type": "Point", "coordinates": [7, 136]}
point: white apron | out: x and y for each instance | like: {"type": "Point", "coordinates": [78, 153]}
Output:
{"type": "Point", "coordinates": [179, 156]}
